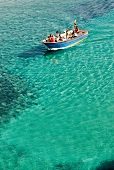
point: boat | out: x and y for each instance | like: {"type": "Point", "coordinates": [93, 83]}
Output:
{"type": "Point", "coordinates": [65, 42]}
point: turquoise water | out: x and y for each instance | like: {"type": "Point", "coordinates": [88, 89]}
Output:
{"type": "Point", "coordinates": [57, 109]}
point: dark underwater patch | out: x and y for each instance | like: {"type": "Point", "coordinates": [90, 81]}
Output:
{"type": "Point", "coordinates": [15, 94]}
{"type": "Point", "coordinates": [108, 165]}
{"type": "Point", "coordinates": [8, 94]}
{"type": "Point", "coordinates": [11, 156]}
{"type": "Point", "coordinates": [91, 9]}
{"type": "Point", "coordinates": [68, 166]}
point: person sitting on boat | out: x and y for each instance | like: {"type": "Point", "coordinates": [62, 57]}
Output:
{"type": "Point", "coordinates": [67, 34]}
{"type": "Point", "coordinates": [52, 38]}
{"type": "Point", "coordinates": [49, 38]}
{"type": "Point", "coordinates": [74, 34]}
{"type": "Point", "coordinates": [70, 35]}
{"type": "Point", "coordinates": [60, 38]}
{"type": "Point", "coordinates": [57, 34]}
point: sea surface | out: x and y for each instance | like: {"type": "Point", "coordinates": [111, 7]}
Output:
{"type": "Point", "coordinates": [56, 108]}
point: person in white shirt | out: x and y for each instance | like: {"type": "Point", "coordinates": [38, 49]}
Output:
{"type": "Point", "coordinates": [74, 24]}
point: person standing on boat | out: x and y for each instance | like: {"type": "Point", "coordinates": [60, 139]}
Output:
{"type": "Point", "coordinates": [74, 24]}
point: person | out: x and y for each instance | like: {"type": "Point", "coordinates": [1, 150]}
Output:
{"type": "Point", "coordinates": [74, 24]}
{"type": "Point", "coordinates": [60, 38]}
{"type": "Point", "coordinates": [57, 34]}
{"type": "Point", "coordinates": [66, 34]}
{"type": "Point", "coordinates": [77, 29]}
{"type": "Point", "coordinates": [48, 39]}
{"type": "Point", "coordinates": [52, 38]}
{"type": "Point", "coordinates": [74, 34]}
{"type": "Point", "coordinates": [70, 34]}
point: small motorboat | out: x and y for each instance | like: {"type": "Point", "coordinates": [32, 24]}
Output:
{"type": "Point", "coordinates": [63, 41]}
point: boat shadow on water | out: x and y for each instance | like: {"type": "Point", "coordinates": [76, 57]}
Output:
{"type": "Point", "coordinates": [33, 52]}
{"type": "Point", "coordinates": [41, 51]}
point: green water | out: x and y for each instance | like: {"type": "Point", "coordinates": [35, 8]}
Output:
{"type": "Point", "coordinates": [56, 108]}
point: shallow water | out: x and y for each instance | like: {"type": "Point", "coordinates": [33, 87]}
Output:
{"type": "Point", "coordinates": [56, 108]}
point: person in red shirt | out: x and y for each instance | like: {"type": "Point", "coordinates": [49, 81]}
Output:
{"type": "Point", "coordinates": [52, 38]}
{"type": "Point", "coordinates": [77, 29]}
